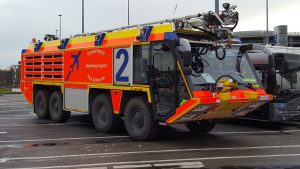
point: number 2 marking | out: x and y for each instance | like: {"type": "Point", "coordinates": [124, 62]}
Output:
{"type": "Point", "coordinates": [119, 76]}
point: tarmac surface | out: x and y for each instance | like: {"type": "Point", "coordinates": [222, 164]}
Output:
{"type": "Point", "coordinates": [28, 142]}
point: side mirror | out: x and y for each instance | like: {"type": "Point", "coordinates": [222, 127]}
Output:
{"type": "Point", "coordinates": [187, 58]}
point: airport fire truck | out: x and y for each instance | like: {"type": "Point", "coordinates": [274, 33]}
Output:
{"type": "Point", "coordinates": [142, 76]}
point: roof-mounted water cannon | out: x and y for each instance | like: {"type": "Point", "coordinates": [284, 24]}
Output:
{"type": "Point", "coordinates": [229, 16]}
{"type": "Point", "coordinates": [219, 25]}
{"type": "Point", "coordinates": [50, 37]}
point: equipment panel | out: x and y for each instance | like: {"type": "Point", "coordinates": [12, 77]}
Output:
{"type": "Point", "coordinates": [88, 65]}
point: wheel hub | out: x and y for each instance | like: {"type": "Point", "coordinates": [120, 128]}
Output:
{"type": "Point", "coordinates": [138, 120]}
{"type": "Point", "coordinates": [55, 106]}
{"type": "Point", "coordinates": [40, 104]}
{"type": "Point", "coordinates": [102, 114]}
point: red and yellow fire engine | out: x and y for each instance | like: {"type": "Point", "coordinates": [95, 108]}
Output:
{"type": "Point", "coordinates": [182, 70]}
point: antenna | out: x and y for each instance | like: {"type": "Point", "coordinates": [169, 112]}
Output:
{"type": "Point", "coordinates": [175, 9]}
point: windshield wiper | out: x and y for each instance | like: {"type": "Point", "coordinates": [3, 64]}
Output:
{"type": "Point", "coordinates": [204, 84]}
{"type": "Point", "coordinates": [239, 74]}
{"type": "Point", "coordinates": [248, 85]}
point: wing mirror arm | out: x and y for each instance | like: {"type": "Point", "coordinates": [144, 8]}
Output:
{"type": "Point", "coordinates": [187, 58]}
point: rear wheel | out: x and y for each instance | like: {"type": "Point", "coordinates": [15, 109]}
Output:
{"type": "Point", "coordinates": [139, 119]}
{"type": "Point", "coordinates": [41, 107]}
{"type": "Point", "coordinates": [56, 108]}
{"type": "Point", "coordinates": [102, 114]}
{"type": "Point", "coordinates": [200, 126]}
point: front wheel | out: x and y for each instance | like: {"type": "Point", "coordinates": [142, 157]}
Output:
{"type": "Point", "coordinates": [139, 119]}
{"type": "Point", "coordinates": [200, 126]}
{"type": "Point", "coordinates": [57, 113]}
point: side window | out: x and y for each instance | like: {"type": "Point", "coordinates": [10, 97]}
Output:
{"type": "Point", "coordinates": [141, 61]}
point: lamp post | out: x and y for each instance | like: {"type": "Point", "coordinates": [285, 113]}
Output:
{"type": "Point", "coordinates": [267, 20]}
{"type": "Point", "coordinates": [60, 15]}
{"type": "Point", "coordinates": [82, 16]}
{"type": "Point", "coordinates": [128, 13]}
{"type": "Point", "coordinates": [217, 6]}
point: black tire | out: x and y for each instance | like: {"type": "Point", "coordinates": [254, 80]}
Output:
{"type": "Point", "coordinates": [139, 119]}
{"type": "Point", "coordinates": [103, 117]}
{"type": "Point", "coordinates": [57, 113]}
{"type": "Point", "coordinates": [41, 107]}
{"type": "Point", "coordinates": [200, 126]}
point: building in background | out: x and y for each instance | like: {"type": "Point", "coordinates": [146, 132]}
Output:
{"type": "Point", "coordinates": [3, 78]}
{"type": "Point", "coordinates": [10, 78]}
{"type": "Point", "coordinates": [279, 37]}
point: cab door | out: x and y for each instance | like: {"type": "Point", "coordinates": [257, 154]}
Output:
{"type": "Point", "coordinates": [163, 70]}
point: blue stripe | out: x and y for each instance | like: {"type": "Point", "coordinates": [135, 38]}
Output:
{"type": "Point", "coordinates": [64, 45]}
{"type": "Point", "coordinates": [38, 46]}
{"type": "Point", "coordinates": [98, 42]}
{"type": "Point", "coordinates": [170, 36]}
{"type": "Point", "coordinates": [145, 37]}
{"type": "Point", "coordinates": [24, 50]}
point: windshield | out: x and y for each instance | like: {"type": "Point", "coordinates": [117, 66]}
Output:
{"type": "Point", "coordinates": [207, 68]}
{"type": "Point", "coordinates": [287, 68]}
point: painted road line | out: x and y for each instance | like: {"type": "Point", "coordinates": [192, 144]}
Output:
{"type": "Point", "coordinates": [2, 160]}
{"type": "Point", "coordinates": [9, 103]}
{"type": "Point", "coordinates": [16, 110]}
{"type": "Point", "coordinates": [50, 124]}
{"type": "Point", "coordinates": [148, 152]}
{"type": "Point", "coordinates": [28, 115]}
{"type": "Point", "coordinates": [256, 132]}
{"type": "Point", "coordinates": [133, 166]}
{"type": "Point", "coordinates": [15, 118]}
{"type": "Point", "coordinates": [20, 99]}
{"type": "Point", "coordinates": [94, 168]}
{"type": "Point", "coordinates": [239, 132]}
{"type": "Point", "coordinates": [11, 146]}
{"type": "Point", "coordinates": [195, 164]}
{"type": "Point", "coordinates": [17, 115]}
{"type": "Point", "coordinates": [14, 102]}
{"type": "Point", "coordinates": [16, 106]}
{"type": "Point", "coordinates": [3, 132]}
{"type": "Point", "coordinates": [168, 160]}
{"type": "Point", "coordinates": [60, 139]}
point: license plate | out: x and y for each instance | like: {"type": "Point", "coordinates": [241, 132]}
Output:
{"type": "Point", "coordinates": [264, 98]}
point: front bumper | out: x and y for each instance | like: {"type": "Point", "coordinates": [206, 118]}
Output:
{"type": "Point", "coordinates": [228, 105]}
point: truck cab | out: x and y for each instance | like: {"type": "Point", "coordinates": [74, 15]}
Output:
{"type": "Point", "coordinates": [196, 83]}
{"type": "Point", "coordinates": [224, 72]}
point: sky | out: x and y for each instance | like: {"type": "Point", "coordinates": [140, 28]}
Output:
{"type": "Point", "coordinates": [22, 20]}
